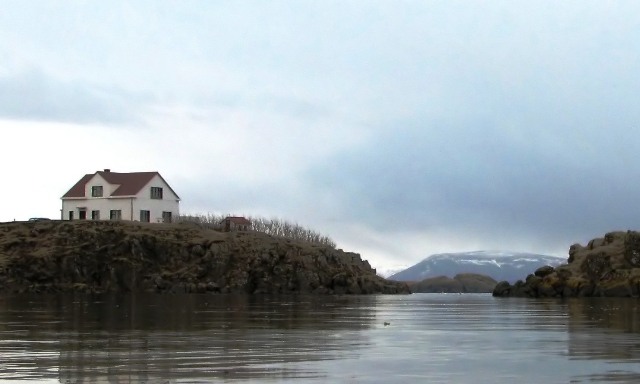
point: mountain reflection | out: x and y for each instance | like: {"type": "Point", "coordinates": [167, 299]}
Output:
{"type": "Point", "coordinates": [130, 338]}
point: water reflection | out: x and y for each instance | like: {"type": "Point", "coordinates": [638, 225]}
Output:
{"type": "Point", "coordinates": [366, 339]}
{"type": "Point", "coordinates": [620, 314]}
{"type": "Point", "coordinates": [605, 329]}
{"type": "Point", "coordinates": [143, 338]}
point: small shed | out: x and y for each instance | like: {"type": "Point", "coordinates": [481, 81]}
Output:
{"type": "Point", "coordinates": [235, 223]}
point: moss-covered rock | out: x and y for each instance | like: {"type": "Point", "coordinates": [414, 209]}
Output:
{"type": "Point", "coordinates": [544, 271]}
{"type": "Point", "coordinates": [607, 266]}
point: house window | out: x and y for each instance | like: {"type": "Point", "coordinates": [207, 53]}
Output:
{"type": "Point", "coordinates": [156, 193]}
{"type": "Point", "coordinates": [115, 214]}
{"type": "Point", "coordinates": [145, 216]}
{"type": "Point", "coordinates": [166, 217]}
{"type": "Point", "coordinates": [96, 191]}
{"type": "Point", "coordinates": [70, 215]}
{"type": "Point", "coordinates": [95, 215]}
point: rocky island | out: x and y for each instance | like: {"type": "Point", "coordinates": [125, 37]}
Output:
{"type": "Point", "coordinates": [607, 266]}
{"type": "Point", "coordinates": [118, 256]}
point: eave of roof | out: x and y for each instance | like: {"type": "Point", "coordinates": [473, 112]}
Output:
{"type": "Point", "coordinates": [78, 188]}
{"type": "Point", "coordinates": [129, 184]}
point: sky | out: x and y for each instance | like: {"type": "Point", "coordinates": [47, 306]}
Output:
{"type": "Point", "coordinates": [399, 129]}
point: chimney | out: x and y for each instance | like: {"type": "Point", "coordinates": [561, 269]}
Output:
{"type": "Point", "coordinates": [107, 170]}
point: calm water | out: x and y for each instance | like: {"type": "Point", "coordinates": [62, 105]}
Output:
{"type": "Point", "coordinates": [431, 338]}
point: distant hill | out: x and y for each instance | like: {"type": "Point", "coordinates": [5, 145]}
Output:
{"type": "Point", "coordinates": [462, 283]}
{"type": "Point", "coordinates": [499, 265]}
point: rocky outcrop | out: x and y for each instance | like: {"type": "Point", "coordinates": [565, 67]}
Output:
{"type": "Point", "coordinates": [102, 256]}
{"type": "Point", "coordinates": [461, 283]}
{"type": "Point", "coordinates": [607, 266]}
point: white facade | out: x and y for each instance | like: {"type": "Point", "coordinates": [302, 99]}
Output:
{"type": "Point", "coordinates": [114, 206]}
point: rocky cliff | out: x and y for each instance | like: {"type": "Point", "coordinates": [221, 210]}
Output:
{"type": "Point", "coordinates": [608, 266]}
{"type": "Point", "coordinates": [100, 256]}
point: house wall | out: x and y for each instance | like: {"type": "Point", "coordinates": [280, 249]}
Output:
{"type": "Point", "coordinates": [229, 225]}
{"type": "Point", "coordinates": [155, 207]}
{"type": "Point", "coordinates": [143, 201]}
{"type": "Point", "coordinates": [104, 205]}
{"type": "Point", "coordinates": [130, 206]}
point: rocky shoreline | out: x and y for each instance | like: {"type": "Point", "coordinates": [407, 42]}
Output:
{"type": "Point", "coordinates": [107, 256]}
{"type": "Point", "coordinates": [606, 267]}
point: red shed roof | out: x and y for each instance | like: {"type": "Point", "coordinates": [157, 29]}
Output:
{"type": "Point", "coordinates": [129, 183]}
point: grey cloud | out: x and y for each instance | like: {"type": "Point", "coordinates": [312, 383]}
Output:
{"type": "Point", "coordinates": [35, 96]}
{"type": "Point", "coordinates": [482, 181]}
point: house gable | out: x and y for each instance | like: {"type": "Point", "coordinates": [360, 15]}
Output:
{"type": "Point", "coordinates": [97, 181]}
{"type": "Point", "coordinates": [157, 182]}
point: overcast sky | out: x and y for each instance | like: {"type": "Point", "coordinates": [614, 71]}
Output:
{"type": "Point", "coordinates": [398, 128]}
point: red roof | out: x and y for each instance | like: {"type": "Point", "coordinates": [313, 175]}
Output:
{"type": "Point", "coordinates": [78, 189]}
{"type": "Point", "coordinates": [130, 183]}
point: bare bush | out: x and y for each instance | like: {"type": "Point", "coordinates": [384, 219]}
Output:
{"type": "Point", "coordinates": [210, 220]}
{"type": "Point", "coordinates": [274, 227]}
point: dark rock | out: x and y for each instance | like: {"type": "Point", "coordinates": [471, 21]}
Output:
{"type": "Point", "coordinates": [614, 289]}
{"type": "Point", "coordinates": [596, 265]}
{"type": "Point", "coordinates": [595, 243]}
{"type": "Point", "coordinates": [632, 249]}
{"type": "Point", "coordinates": [544, 271]}
{"type": "Point", "coordinates": [503, 288]}
{"type": "Point", "coordinates": [586, 290]}
{"type": "Point", "coordinates": [546, 290]}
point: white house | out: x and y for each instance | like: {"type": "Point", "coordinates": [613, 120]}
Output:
{"type": "Point", "coordinates": [135, 196]}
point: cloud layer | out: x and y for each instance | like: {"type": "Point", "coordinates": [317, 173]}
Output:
{"type": "Point", "coordinates": [34, 96]}
{"type": "Point", "coordinates": [399, 129]}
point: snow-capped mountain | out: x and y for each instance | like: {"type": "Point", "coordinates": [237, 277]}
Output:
{"type": "Point", "coordinates": [500, 265]}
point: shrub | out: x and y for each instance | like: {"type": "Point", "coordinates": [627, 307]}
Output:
{"type": "Point", "coordinates": [274, 227]}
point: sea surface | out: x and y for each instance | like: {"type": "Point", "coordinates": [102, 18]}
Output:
{"type": "Point", "coordinates": [419, 338]}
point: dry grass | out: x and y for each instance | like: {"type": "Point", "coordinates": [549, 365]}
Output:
{"type": "Point", "coordinates": [273, 227]}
